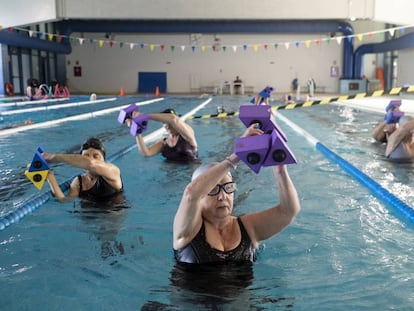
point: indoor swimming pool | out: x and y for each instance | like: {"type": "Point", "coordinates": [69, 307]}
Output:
{"type": "Point", "coordinates": [346, 250]}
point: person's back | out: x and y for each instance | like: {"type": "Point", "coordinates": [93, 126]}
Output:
{"type": "Point", "coordinates": [400, 145]}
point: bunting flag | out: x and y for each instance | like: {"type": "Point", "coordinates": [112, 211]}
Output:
{"type": "Point", "coordinates": [215, 48]}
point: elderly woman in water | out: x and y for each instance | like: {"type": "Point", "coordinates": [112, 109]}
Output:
{"type": "Point", "coordinates": [206, 231]}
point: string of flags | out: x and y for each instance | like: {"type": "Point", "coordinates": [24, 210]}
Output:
{"type": "Point", "coordinates": [204, 47]}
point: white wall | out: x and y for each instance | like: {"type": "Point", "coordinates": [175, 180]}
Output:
{"type": "Point", "coordinates": [405, 67]}
{"type": "Point", "coordinates": [217, 9]}
{"type": "Point", "coordinates": [25, 12]}
{"type": "Point", "coordinates": [398, 12]}
{"type": "Point", "coordinates": [105, 69]}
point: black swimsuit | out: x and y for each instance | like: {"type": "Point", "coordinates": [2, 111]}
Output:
{"type": "Point", "coordinates": [100, 190]}
{"type": "Point", "coordinates": [181, 152]}
{"type": "Point", "coordinates": [199, 251]}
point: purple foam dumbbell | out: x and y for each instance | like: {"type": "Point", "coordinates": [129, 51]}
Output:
{"type": "Point", "coordinates": [126, 113]}
{"type": "Point", "coordinates": [139, 124]}
{"type": "Point", "coordinates": [256, 114]}
{"type": "Point", "coordinates": [279, 152]}
{"type": "Point", "coordinates": [252, 150]}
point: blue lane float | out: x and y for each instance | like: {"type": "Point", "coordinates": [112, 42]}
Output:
{"type": "Point", "coordinates": [28, 207]}
{"type": "Point", "coordinates": [376, 189]}
{"type": "Point", "coordinates": [381, 193]}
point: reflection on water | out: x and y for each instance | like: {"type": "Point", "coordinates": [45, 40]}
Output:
{"type": "Point", "coordinates": [104, 219]}
{"type": "Point", "coordinates": [223, 286]}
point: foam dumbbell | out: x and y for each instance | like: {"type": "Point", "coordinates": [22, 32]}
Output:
{"type": "Point", "coordinates": [278, 152]}
{"type": "Point", "coordinates": [139, 124]}
{"type": "Point", "coordinates": [126, 113]}
{"type": "Point", "coordinates": [257, 114]}
{"type": "Point", "coordinates": [38, 169]}
{"type": "Point", "coordinates": [252, 150]}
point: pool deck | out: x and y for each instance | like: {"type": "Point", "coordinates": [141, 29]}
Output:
{"type": "Point", "coordinates": [375, 104]}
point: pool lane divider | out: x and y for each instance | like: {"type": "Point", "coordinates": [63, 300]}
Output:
{"type": "Point", "coordinates": [324, 101]}
{"type": "Point", "coordinates": [40, 199]}
{"type": "Point", "coordinates": [394, 91]}
{"type": "Point", "coordinates": [376, 189]}
{"type": "Point", "coordinates": [58, 106]}
{"type": "Point", "coordinates": [31, 102]}
{"type": "Point", "coordinates": [82, 116]}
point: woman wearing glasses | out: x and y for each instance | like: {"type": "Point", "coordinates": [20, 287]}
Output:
{"type": "Point", "coordinates": [100, 180]}
{"type": "Point", "coordinates": [205, 230]}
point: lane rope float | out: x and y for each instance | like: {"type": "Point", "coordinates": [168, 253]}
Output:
{"type": "Point", "coordinates": [24, 102]}
{"type": "Point", "coordinates": [376, 189]}
{"type": "Point", "coordinates": [58, 106]}
{"type": "Point", "coordinates": [394, 91]}
{"type": "Point", "coordinates": [40, 199]}
{"type": "Point", "coordinates": [215, 115]}
{"type": "Point", "coordinates": [82, 116]}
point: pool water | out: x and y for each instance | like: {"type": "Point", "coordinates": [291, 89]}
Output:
{"type": "Point", "coordinates": [346, 250]}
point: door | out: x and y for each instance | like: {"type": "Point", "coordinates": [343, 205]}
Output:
{"type": "Point", "coordinates": [149, 81]}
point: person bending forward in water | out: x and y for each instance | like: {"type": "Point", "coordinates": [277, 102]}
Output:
{"type": "Point", "coordinates": [400, 144]}
{"type": "Point", "coordinates": [179, 146]}
{"type": "Point", "coordinates": [205, 231]}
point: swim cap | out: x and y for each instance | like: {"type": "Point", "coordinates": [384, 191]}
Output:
{"type": "Point", "coordinates": [203, 168]}
{"type": "Point", "coordinates": [169, 110]}
{"type": "Point", "coordinates": [94, 143]}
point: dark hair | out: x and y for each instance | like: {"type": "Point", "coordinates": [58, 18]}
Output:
{"type": "Point", "coordinates": [94, 143]}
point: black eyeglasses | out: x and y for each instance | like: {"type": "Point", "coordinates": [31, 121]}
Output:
{"type": "Point", "coordinates": [228, 187]}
